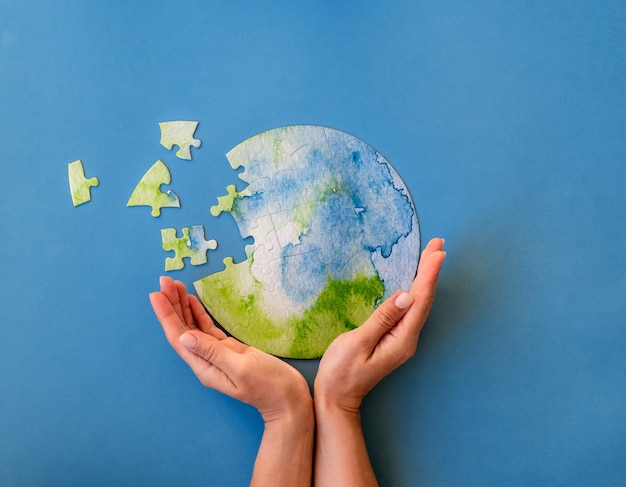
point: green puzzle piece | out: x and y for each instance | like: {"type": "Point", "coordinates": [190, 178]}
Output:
{"type": "Point", "coordinates": [80, 186]}
{"type": "Point", "coordinates": [192, 244]}
{"type": "Point", "coordinates": [179, 133]}
{"type": "Point", "coordinates": [225, 203]}
{"type": "Point", "coordinates": [148, 190]}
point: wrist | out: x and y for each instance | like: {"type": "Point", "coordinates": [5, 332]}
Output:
{"type": "Point", "coordinates": [297, 409]}
{"type": "Point", "coordinates": [331, 405]}
{"type": "Point", "coordinates": [296, 420]}
{"type": "Point", "coordinates": [285, 454]}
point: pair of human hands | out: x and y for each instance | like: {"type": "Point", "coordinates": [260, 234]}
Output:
{"type": "Point", "coordinates": [352, 365]}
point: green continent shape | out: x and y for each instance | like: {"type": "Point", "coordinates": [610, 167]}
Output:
{"type": "Point", "coordinates": [235, 299]}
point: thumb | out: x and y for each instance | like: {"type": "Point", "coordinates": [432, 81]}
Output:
{"type": "Point", "coordinates": [209, 348]}
{"type": "Point", "coordinates": [384, 318]}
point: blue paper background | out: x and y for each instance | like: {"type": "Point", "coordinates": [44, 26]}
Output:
{"type": "Point", "coordinates": [505, 119]}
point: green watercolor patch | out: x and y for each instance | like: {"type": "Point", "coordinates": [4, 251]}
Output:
{"type": "Point", "coordinates": [148, 190]}
{"type": "Point", "coordinates": [80, 186]}
{"type": "Point", "coordinates": [341, 306]}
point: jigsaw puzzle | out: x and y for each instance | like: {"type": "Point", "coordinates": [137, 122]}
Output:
{"type": "Point", "coordinates": [179, 133]}
{"type": "Point", "coordinates": [192, 244]}
{"type": "Point", "coordinates": [148, 190]}
{"type": "Point", "coordinates": [335, 232]}
{"type": "Point", "coordinates": [80, 186]}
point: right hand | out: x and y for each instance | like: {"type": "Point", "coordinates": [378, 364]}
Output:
{"type": "Point", "coordinates": [357, 360]}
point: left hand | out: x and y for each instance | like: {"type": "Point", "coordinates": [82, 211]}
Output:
{"type": "Point", "coordinates": [225, 364]}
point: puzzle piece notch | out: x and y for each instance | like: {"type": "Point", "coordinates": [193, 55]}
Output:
{"type": "Point", "coordinates": [192, 244]}
{"type": "Point", "coordinates": [148, 190]}
{"type": "Point", "coordinates": [80, 186]}
{"type": "Point", "coordinates": [180, 133]}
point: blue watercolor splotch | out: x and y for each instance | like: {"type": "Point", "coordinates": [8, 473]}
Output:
{"type": "Point", "coordinates": [359, 206]}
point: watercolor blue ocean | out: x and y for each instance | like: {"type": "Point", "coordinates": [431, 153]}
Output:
{"type": "Point", "coordinates": [335, 232]}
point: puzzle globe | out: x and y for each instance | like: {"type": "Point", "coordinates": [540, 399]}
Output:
{"type": "Point", "coordinates": [335, 233]}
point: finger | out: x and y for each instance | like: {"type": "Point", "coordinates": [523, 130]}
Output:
{"type": "Point", "coordinates": [183, 299]}
{"type": "Point", "coordinates": [383, 319]}
{"type": "Point", "coordinates": [423, 289]}
{"type": "Point", "coordinates": [204, 320]}
{"type": "Point", "coordinates": [429, 268]}
{"type": "Point", "coordinates": [212, 351]}
{"type": "Point", "coordinates": [434, 245]}
{"type": "Point", "coordinates": [403, 338]}
{"type": "Point", "coordinates": [170, 290]}
{"type": "Point", "coordinates": [209, 374]}
{"type": "Point", "coordinates": [169, 319]}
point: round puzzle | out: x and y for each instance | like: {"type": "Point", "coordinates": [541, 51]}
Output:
{"type": "Point", "coordinates": [335, 233]}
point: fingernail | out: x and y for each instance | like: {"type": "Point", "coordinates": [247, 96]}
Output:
{"type": "Point", "coordinates": [404, 300]}
{"type": "Point", "coordinates": [188, 340]}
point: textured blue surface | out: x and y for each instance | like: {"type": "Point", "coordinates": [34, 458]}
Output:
{"type": "Point", "coordinates": [506, 121]}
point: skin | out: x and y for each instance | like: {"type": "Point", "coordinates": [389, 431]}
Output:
{"type": "Point", "coordinates": [274, 388]}
{"type": "Point", "coordinates": [358, 360]}
{"type": "Point", "coordinates": [353, 364]}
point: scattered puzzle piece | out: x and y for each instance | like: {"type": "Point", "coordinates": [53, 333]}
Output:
{"type": "Point", "coordinates": [148, 190]}
{"type": "Point", "coordinates": [192, 244]}
{"type": "Point", "coordinates": [80, 186]}
{"type": "Point", "coordinates": [179, 133]}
